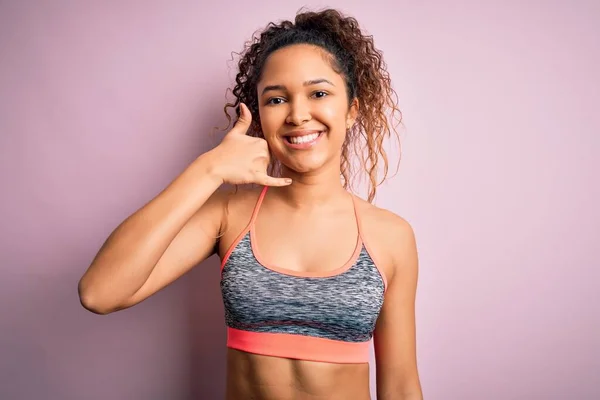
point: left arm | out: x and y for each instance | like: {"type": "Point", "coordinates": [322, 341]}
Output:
{"type": "Point", "coordinates": [395, 332]}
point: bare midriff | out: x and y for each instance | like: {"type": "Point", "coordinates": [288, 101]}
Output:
{"type": "Point", "coordinates": [258, 377]}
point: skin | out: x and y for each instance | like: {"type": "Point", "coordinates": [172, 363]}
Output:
{"type": "Point", "coordinates": [319, 234]}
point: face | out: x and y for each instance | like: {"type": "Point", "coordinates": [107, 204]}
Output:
{"type": "Point", "coordinates": [304, 108]}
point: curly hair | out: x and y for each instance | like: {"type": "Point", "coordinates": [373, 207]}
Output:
{"type": "Point", "coordinates": [353, 55]}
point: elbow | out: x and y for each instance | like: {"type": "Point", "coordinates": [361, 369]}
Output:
{"type": "Point", "coordinates": [94, 308]}
{"type": "Point", "coordinates": [92, 302]}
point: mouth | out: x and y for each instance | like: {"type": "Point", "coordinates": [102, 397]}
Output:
{"type": "Point", "coordinates": [303, 140]}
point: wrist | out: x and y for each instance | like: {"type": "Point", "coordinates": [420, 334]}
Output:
{"type": "Point", "coordinates": [207, 166]}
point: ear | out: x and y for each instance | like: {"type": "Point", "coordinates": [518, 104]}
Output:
{"type": "Point", "coordinates": [352, 113]}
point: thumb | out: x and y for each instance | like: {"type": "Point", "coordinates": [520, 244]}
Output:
{"type": "Point", "coordinates": [243, 122]}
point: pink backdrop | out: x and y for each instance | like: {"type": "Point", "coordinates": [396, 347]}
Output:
{"type": "Point", "coordinates": [103, 103]}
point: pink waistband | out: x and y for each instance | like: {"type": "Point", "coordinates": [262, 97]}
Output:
{"type": "Point", "coordinates": [298, 347]}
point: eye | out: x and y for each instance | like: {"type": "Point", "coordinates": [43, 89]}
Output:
{"type": "Point", "coordinates": [320, 94]}
{"type": "Point", "coordinates": [275, 101]}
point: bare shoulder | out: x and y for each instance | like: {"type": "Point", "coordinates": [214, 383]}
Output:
{"type": "Point", "coordinates": [240, 197]}
{"type": "Point", "coordinates": [383, 219]}
{"type": "Point", "coordinates": [384, 225]}
{"type": "Point", "coordinates": [389, 236]}
{"type": "Point", "coordinates": [238, 204]}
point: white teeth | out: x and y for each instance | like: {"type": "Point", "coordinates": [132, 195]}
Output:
{"type": "Point", "coordinates": [303, 139]}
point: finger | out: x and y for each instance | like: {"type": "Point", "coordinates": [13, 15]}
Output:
{"type": "Point", "coordinates": [243, 122]}
{"type": "Point", "coordinates": [266, 180]}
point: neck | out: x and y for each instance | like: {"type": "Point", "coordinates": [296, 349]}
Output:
{"type": "Point", "coordinates": [312, 188]}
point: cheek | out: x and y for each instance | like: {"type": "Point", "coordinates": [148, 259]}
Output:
{"type": "Point", "coordinates": [334, 115]}
{"type": "Point", "coordinates": [270, 123]}
{"type": "Point", "coordinates": [333, 111]}
{"type": "Point", "coordinates": [330, 112]}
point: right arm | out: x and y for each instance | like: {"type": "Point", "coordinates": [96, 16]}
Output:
{"type": "Point", "coordinates": [177, 229]}
{"type": "Point", "coordinates": [157, 244]}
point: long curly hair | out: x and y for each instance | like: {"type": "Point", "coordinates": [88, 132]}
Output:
{"type": "Point", "coordinates": [354, 56]}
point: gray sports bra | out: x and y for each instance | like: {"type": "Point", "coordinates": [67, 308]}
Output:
{"type": "Point", "coordinates": [327, 316]}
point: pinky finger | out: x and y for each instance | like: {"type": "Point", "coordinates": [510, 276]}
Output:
{"type": "Point", "coordinates": [266, 180]}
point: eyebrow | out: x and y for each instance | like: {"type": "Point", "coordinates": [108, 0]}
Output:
{"type": "Point", "coordinates": [307, 83]}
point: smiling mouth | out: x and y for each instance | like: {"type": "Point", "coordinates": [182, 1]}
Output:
{"type": "Point", "coordinates": [304, 139]}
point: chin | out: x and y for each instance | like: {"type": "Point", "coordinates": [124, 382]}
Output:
{"type": "Point", "coordinates": [305, 164]}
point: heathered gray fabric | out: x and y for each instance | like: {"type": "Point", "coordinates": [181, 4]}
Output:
{"type": "Point", "coordinates": [341, 307]}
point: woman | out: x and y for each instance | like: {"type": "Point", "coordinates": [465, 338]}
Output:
{"type": "Point", "coordinates": [309, 271]}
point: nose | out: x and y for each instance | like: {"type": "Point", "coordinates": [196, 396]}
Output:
{"type": "Point", "coordinates": [299, 112]}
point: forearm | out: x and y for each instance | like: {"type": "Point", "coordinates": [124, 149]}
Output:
{"type": "Point", "coordinates": [130, 253]}
{"type": "Point", "coordinates": [413, 395]}
{"type": "Point", "coordinates": [399, 388]}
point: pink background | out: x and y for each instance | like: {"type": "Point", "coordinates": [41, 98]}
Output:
{"type": "Point", "coordinates": [103, 103]}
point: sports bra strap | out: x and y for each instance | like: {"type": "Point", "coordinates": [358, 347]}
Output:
{"type": "Point", "coordinates": [357, 216]}
{"type": "Point", "coordinates": [258, 204]}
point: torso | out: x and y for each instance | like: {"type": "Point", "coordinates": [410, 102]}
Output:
{"type": "Point", "coordinates": [318, 244]}
{"type": "Point", "coordinates": [252, 376]}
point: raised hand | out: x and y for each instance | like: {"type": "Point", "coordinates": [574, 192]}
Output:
{"type": "Point", "coordinates": [241, 159]}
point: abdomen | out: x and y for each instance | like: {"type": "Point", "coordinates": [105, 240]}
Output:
{"type": "Point", "coordinates": [251, 376]}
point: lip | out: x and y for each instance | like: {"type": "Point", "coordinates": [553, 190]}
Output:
{"type": "Point", "coordinates": [302, 146]}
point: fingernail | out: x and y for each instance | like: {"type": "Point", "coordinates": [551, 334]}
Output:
{"type": "Point", "coordinates": [288, 180]}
